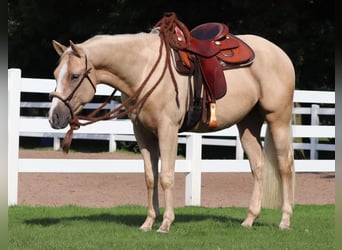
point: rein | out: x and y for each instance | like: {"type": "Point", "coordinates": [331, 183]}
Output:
{"type": "Point", "coordinates": [166, 27]}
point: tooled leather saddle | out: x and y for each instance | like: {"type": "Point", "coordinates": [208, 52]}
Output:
{"type": "Point", "coordinates": [212, 49]}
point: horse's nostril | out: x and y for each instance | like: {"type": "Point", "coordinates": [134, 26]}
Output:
{"type": "Point", "coordinates": [54, 119]}
{"type": "Point", "coordinates": [57, 120]}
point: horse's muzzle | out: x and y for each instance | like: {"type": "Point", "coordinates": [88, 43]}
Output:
{"type": "Point", "coordinates": [59, 115]}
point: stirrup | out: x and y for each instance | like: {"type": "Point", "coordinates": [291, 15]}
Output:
{"type": "Point", "coordinates": [212, 120]}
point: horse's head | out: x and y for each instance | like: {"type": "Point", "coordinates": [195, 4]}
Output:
{"type": "Point", "coordinates": [76, 84]}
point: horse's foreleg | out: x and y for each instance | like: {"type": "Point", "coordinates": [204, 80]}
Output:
{"type": "Point", "coordinates": [250, 140]}
{"type": "Point", "coordinates": [148, 145]}
{"type": "Point", "coordinates": [168, 142]}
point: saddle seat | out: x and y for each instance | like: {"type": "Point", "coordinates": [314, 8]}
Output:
{"type": "Point", "coordinates": [208, 39]}
{"type": "Point", "coordinates": [212, 49]}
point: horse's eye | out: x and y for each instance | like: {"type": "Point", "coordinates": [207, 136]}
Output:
{"type": "Point", "coordinates": [74, 77]}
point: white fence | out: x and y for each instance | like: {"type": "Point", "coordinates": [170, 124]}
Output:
{"type": "Point", "coordinates": [192, 166]}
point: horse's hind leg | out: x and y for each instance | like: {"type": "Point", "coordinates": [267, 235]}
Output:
{"type": "Point", "coordinates": [249, 129]}
{"type": "Point", "coordinates": [148, 144]}
{"type": "Point", "coordinates": [281, 134]}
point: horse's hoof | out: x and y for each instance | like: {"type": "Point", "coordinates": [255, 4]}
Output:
{"type": "Point", "coordinates": [165, 227]}
{"type": "Point", "coordinates": [284, 226]}
{"type": "Point", "coordinates": [162, 231]}
{"type": "Point", "coordinates": [147, 225]}
{"type": "Point", "coordinates": [247, 223]}
{"type": "Point", "coordinates": [145, 229]}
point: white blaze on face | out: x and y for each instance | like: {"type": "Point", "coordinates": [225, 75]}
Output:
{"type": "Point", "coordinates": [62, 72]}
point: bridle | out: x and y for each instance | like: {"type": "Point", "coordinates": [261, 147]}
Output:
{"type": "Point", "coordinates": [67, 100]}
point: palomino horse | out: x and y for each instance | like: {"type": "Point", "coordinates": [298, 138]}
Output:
{"type": "Point", "coordinates": [260, 92]}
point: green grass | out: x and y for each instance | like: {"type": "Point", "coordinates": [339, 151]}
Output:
{"type": "Point", "coordinates": [72, 227]}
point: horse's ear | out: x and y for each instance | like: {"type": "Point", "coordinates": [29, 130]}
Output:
{"type": "Point", "coordinates": [77, 49]}
{"type": "Point", "coordinates": [60, 48]}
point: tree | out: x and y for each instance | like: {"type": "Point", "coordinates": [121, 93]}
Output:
{"type": "Point", "coordinates": [304, 29]}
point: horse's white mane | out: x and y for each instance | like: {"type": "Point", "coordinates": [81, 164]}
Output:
{"type": "Point", "coordinates": [155, 30]}
{"type": "Point", "coordinates": [119, 37]}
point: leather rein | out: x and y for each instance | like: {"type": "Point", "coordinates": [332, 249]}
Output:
{"type": "Point", "coordinates": [166, 27]}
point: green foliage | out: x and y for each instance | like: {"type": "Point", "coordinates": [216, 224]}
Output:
{"type": "Point", "coordinates": [304, 29]}
{"type": "Point", "coordinates": [128, 146]}
{"type": "Point", "coordinates": [72, 227]}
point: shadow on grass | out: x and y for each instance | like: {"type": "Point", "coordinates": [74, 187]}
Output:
{"type": "Point", "coordinates": [129, 220]}
{"type": "Point", "coordinates": [135, 220]}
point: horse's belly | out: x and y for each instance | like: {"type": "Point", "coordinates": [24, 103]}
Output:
{"type": "Point", "coordinates": [227, 115]}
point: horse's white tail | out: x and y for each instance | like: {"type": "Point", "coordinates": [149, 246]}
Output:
{"type": "Point", "coordinates": [272, 183]}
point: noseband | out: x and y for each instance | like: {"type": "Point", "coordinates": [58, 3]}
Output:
{"type": "Point", "coordinates": [67, 100]}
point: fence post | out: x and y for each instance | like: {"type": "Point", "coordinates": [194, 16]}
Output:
{"type": "Point", "coordinates": [56, 143]}
{"type": "Point", "coordinates": [239, 150]}
{"type": "Point", "coordinates": [112, 143]}
{"type": "Point", "coordinates": [193, 179]}
{"type": "Point", "coordinates": [314, 140]}
{"type": "Point", "coordinates": [14, 87]}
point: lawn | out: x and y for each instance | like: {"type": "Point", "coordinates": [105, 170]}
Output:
{"type": "Point", "coordinates": [73, 227]}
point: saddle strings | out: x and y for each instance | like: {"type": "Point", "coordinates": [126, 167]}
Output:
{"type": "Point", "coordinates": [167, 26]}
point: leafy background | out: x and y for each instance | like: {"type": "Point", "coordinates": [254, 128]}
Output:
{"type": "Point", "coordinates": [304, 28]}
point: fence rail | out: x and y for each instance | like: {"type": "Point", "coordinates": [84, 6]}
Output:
{"type": "Point", "coordinates": [192, 166]}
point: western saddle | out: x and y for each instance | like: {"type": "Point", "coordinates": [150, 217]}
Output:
{"type": "Point", "coordinates": [209, 50]}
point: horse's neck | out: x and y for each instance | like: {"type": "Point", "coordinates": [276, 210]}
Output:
{"type": "Point", "coordinates": [122, 59]}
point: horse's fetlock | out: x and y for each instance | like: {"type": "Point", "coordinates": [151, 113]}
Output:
{"type": "Point", "coordinates": [253, 213]}
{"type": "Point", "coordinates": [287, 210]}
{"type": "Point", "coordinates": [169, 216]}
